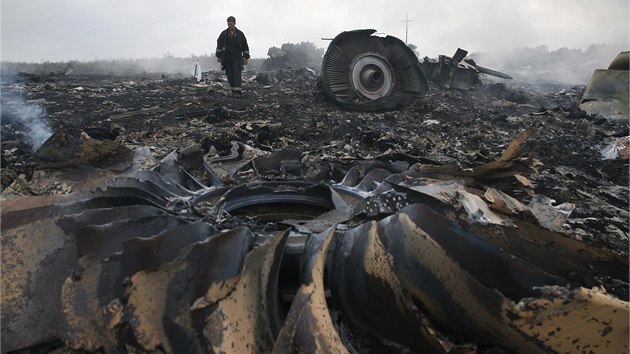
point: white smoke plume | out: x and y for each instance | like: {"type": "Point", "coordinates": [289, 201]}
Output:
{"type": "Point", "coordinates": [539, 65]}
{"type": "Point", "coordinates": [24, 121]}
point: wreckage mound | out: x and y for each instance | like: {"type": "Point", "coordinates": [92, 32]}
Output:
{"type": "Point", "coordinates": [308, 206]}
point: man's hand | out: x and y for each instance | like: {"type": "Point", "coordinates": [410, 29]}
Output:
{"type": "Point", "coordinates": [218, 59]}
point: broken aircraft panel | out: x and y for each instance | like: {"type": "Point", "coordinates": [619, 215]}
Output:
{"type": "Point", "coordinates": [406, 269]}
{"type": "Point", "coordinates": [457, 72]}
{"type": "Point", "coordinates": [397, 247]}
{"type": "Point", "coordinates": [607, 93]}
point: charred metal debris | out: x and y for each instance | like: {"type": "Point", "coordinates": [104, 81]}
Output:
{"type": "Point", "coordinates": [608, 91]}
{"type": "Point", "coordinates": [166, 216]}
{"type": "Point", "coordinates": [254, 252]}
{"type": "Point", "coordinates": [368, 72]}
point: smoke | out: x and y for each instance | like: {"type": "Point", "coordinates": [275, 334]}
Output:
{"type": "Point", "coordinates": [539, 65]}
{"type": "Point", "coordinates": [24, 121]}
{"type": "Point", "coordinates": [304, 54]}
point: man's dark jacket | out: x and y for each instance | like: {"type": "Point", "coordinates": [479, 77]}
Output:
{"type": "Point", "coordinates": [231, 48]}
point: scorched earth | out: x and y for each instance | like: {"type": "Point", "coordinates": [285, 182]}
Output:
{"type": "Point", "coordinates": [165, 215]}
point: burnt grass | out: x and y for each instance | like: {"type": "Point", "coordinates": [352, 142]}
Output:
{"type": "Point", "coordinates": [287, 109]}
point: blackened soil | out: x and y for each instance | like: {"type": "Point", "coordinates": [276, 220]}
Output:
{"type": "Point", "coordinates": [287, 109]}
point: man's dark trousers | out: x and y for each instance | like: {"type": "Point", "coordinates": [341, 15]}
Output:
{"type": "Point", "coordinates": [233, 67]}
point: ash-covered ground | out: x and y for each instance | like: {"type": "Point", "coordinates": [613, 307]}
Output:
{"type": "Point", "coordinates": [287, 109]}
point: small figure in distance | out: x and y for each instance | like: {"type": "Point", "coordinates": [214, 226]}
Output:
{"type": "Point", "coordinates": [233, 53]}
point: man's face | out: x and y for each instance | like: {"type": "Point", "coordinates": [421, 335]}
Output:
{"type": "Point", "coordinates": [231, 25]}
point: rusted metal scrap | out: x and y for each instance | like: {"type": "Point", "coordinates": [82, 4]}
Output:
{"type": "Point", "coordinates": [162, 301]}
{"type": "Point", "coordinates": [308, 326]}
{"type": "Point", "coordinates": [400, 249]}
{"type": "Point", "coordinates": [411, 275]}
{"type": "Point", "coordinates": [248, 316]}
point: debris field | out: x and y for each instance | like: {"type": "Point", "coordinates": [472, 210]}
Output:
{"type": "Point", "coordinates": [164, 215]}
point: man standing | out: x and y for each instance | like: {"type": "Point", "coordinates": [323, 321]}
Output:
{"type": "Point", "coordinates": [233, 53]}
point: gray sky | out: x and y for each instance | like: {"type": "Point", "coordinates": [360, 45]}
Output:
{"type": "Point", "coordinates": [59, 30]}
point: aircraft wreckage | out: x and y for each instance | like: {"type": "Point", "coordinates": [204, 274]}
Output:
{"type": "Point", "coordinates": [366, 72]}
{"type": "Point", "coordinates": [251, 251]}
{"type": "Point", "coordinates": [420, 256]}
{"type": "Point", "coordinates": [608, 91]}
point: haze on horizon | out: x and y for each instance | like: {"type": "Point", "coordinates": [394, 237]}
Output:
{"type": "Point", "coordinates": [44, 30]}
